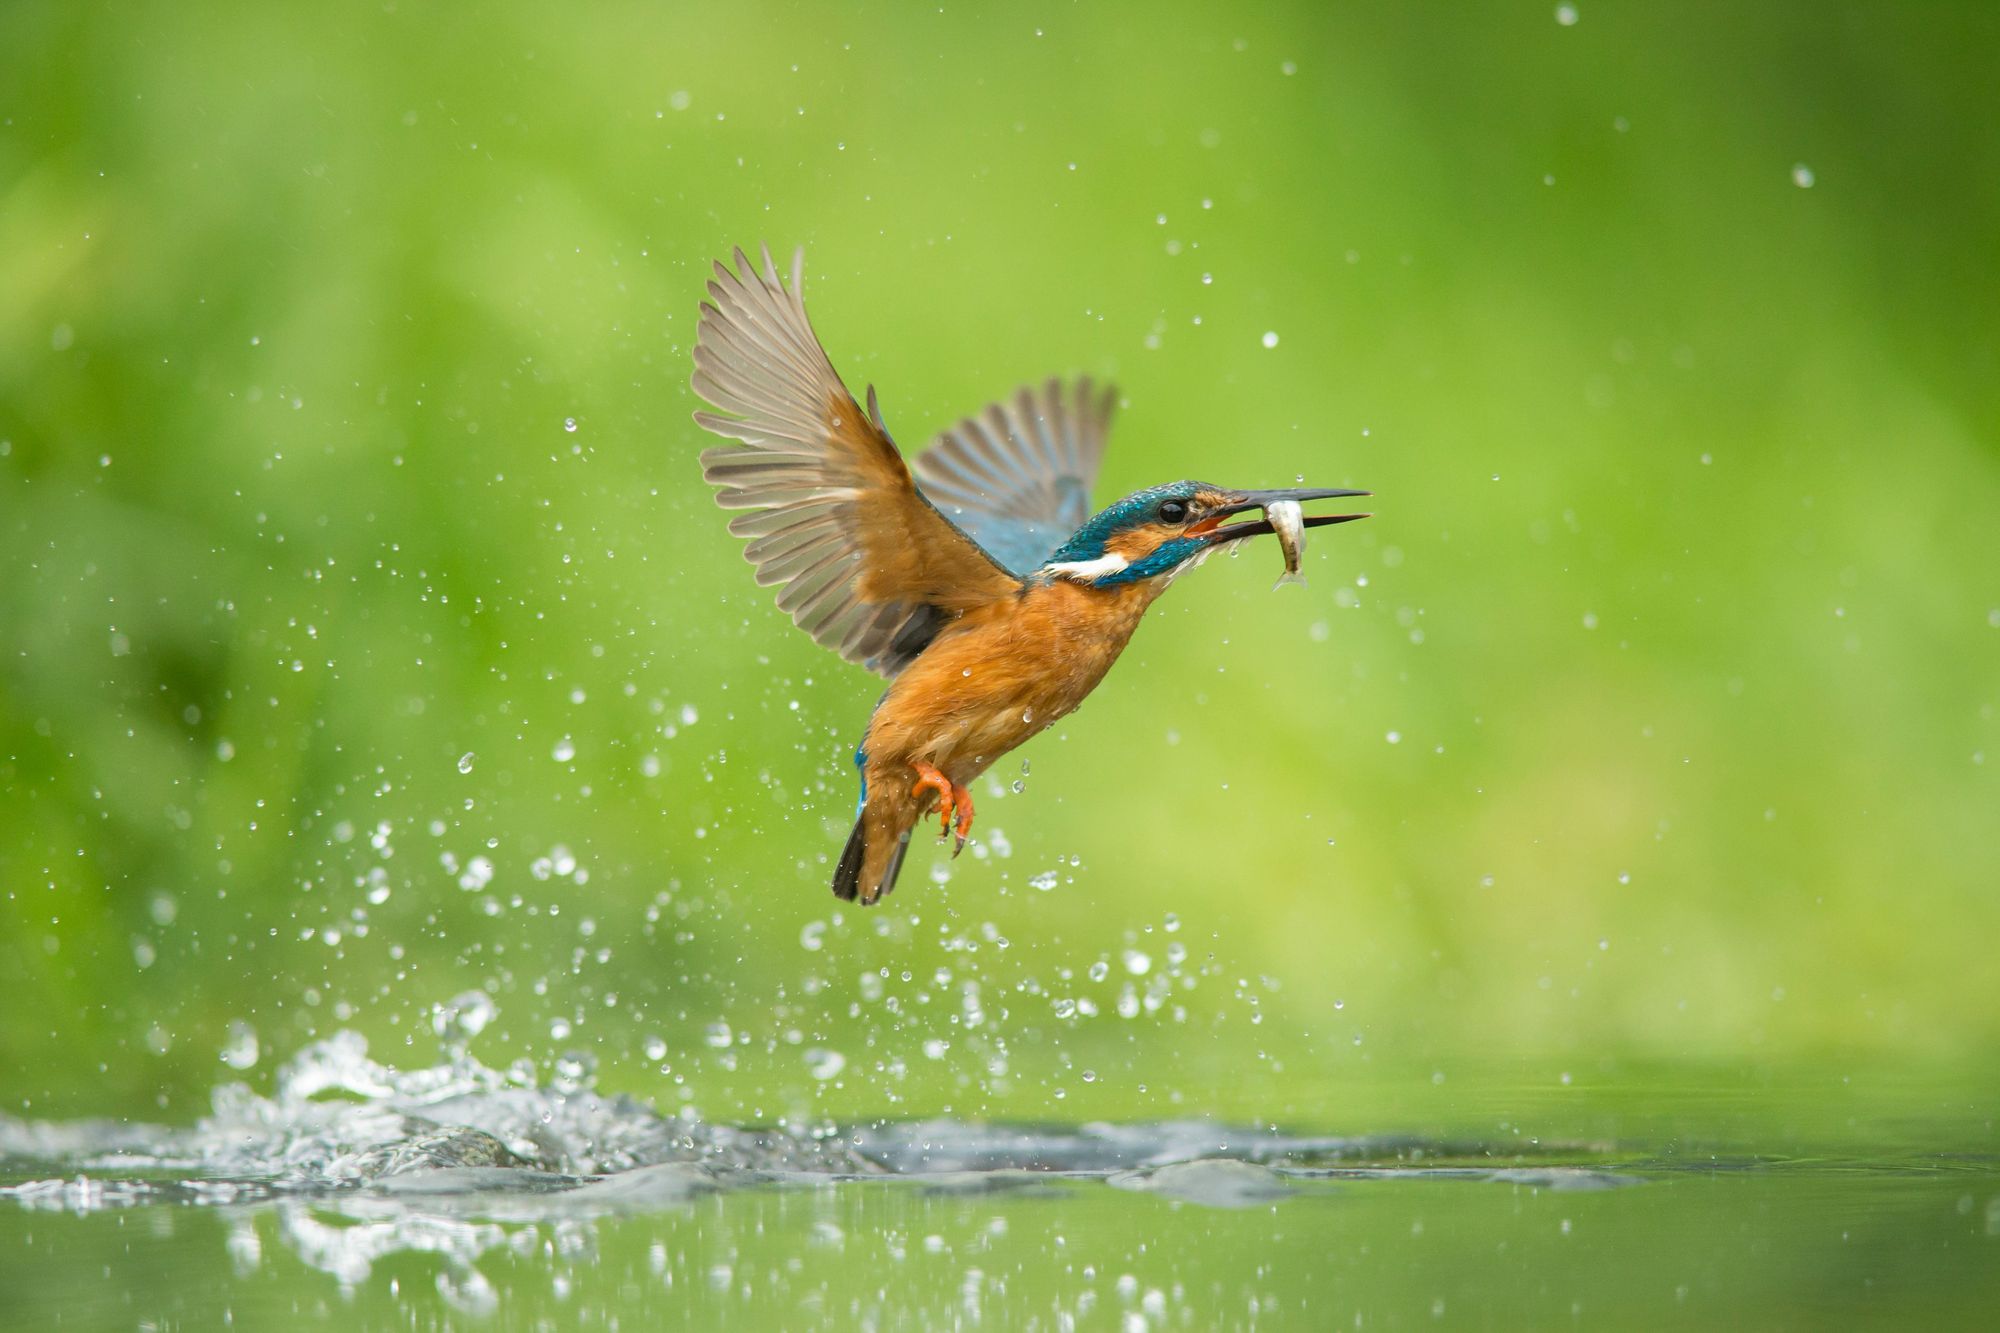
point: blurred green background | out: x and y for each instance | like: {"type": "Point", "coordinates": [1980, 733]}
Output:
{"type": "Point", "coordinates": [370, 636]}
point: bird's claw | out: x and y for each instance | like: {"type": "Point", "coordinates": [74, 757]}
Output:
{"type": "Point", "coordinates": [961, 800]}
{"type": "Point", "coordinates": [954, 802]}
{"type": "Point", "coordinates": [931, 778]}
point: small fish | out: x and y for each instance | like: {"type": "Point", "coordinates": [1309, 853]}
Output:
{"type": "Point", "coordinates": [1289, 523]}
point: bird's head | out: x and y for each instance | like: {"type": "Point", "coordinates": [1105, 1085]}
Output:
{"type": "Point", "coordinates": [1156, 533]}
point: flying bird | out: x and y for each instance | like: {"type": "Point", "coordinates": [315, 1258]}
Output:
{"type": "Point", "coordinates": [979, 583]}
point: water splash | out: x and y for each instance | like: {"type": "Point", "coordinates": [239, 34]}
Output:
{"type": "Point", "coordinates": [351, 1162]}
{"type": "Point", "coordinates": [339, 1119]}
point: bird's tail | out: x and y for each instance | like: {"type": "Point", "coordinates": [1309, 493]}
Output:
{"type": "Point", "coordinates": [873, 856]}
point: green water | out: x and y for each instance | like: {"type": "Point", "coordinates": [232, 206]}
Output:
{"type": "Point", "coordinates": [1778, 1245]}
{"type": "Point", "coordinates": [1831, 1206]}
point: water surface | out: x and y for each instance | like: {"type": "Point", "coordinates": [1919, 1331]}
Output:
{"type": "Point", "coordinates": [461, 1196]}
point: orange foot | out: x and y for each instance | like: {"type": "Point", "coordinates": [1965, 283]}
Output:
{"type": "Point", "coordinates": [952, 799]}
{"type": "Point", "coordinates": [962, 800]}
{"type": "Point", "coordinates": [931, 778]}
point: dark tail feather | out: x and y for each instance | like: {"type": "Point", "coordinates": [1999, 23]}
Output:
{"type": "Point", "coordinates": [847, 875]}
{"type": "Point", "coordinates": [895, 866]}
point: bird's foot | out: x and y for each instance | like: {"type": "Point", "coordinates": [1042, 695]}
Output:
{"type": "Point", "coordinates": [953, 801]}
{"type": "Point", "coordinates": [931, 778]}
{"type": "Point", "coordinates": [961, 800]}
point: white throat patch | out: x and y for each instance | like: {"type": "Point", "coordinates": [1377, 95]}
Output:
{"type": "Point", "coordinates": [1089, 571]}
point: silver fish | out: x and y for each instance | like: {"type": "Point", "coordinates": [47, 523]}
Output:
{"type": "Point", "coordinates": [1289, 523]}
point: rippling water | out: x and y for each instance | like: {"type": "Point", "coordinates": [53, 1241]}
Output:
{"type": "Point", "coordinates": [463, 1195]}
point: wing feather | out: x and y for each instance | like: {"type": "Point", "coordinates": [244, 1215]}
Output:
{"type": "Point", "coordinates": [1017, 476]}
{"type": "Point", "coordinates": [865, 563]}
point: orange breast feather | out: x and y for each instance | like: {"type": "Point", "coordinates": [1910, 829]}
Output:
{"type": "Point", "coordinates": [1002, 673]}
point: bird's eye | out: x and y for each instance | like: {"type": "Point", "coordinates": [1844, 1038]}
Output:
{"type": "Point", "coordinates": [1173, 511]}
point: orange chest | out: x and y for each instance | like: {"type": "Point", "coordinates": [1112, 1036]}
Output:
{"type": "Point", "coordinates": [1005, 672]}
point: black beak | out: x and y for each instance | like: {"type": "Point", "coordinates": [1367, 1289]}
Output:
{"type": "Point", "coordinates": [1212, 529]}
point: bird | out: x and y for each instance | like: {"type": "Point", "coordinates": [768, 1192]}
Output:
{"type": "Point", "coordinates": [978, 581]}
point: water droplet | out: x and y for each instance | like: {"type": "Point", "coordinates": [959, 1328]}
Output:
{"type": "Point", "coordinates": [569, 425]}
{"type": "Point", "coordinates": [1271, 339]}
{"type": "Point", "coordinates": [1566, 15]}
{"type": "Point", "coordinates": [574, 1070]}
{"type": "Point", "coordinates": [1802, 176]}
{"type": "Point", "coordinates": [464, 1016]}
{"type": "Point", "coordinates": [824, 1064]}
{"type": "Point", "coordinates": [717, 1035]}
{"type": "Point", "coordinates": [564, 751]}
{"type": "Point", "coordinates": [465, 762]}
{"type": "Point", "coordinates": [240, 1051]}
{"type": "Point", "coordinates": [1044, 881]}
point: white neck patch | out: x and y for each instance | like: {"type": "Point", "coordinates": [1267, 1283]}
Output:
{"type": "Point", "coordinates": [1089, 571]}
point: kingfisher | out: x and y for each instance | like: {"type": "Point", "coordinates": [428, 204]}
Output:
{"type": "Point", "coordinates": [978, 582]}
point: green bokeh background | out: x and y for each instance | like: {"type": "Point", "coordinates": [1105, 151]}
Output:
{"type": "Point", "coordinates": [1651, 726]}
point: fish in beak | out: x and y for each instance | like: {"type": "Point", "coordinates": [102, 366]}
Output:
{"type": "Point", "coordinates": [1284, 515]}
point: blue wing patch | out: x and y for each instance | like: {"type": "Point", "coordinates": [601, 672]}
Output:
{"type": "Point", "coordinates": [1022, 547]}
{"type": "Point", "coordinates": [1017, 478]}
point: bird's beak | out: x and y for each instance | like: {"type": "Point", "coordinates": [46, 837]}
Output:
{"type": "Point", "coordinates": [1215, 532]}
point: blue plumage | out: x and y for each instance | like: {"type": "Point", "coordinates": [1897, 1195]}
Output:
{"type": "Point", "coordinates": [1020, 545]}
{"type": "Point", "coordinates": [1088, 541]}
{"type": "Point", "coordinates": [1016, 478]}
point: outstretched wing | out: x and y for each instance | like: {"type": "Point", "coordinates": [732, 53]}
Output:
{"type": "Point", "coordinates": [867, 565]}
{"type": "Point", "coordinates": [1018, 476]}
